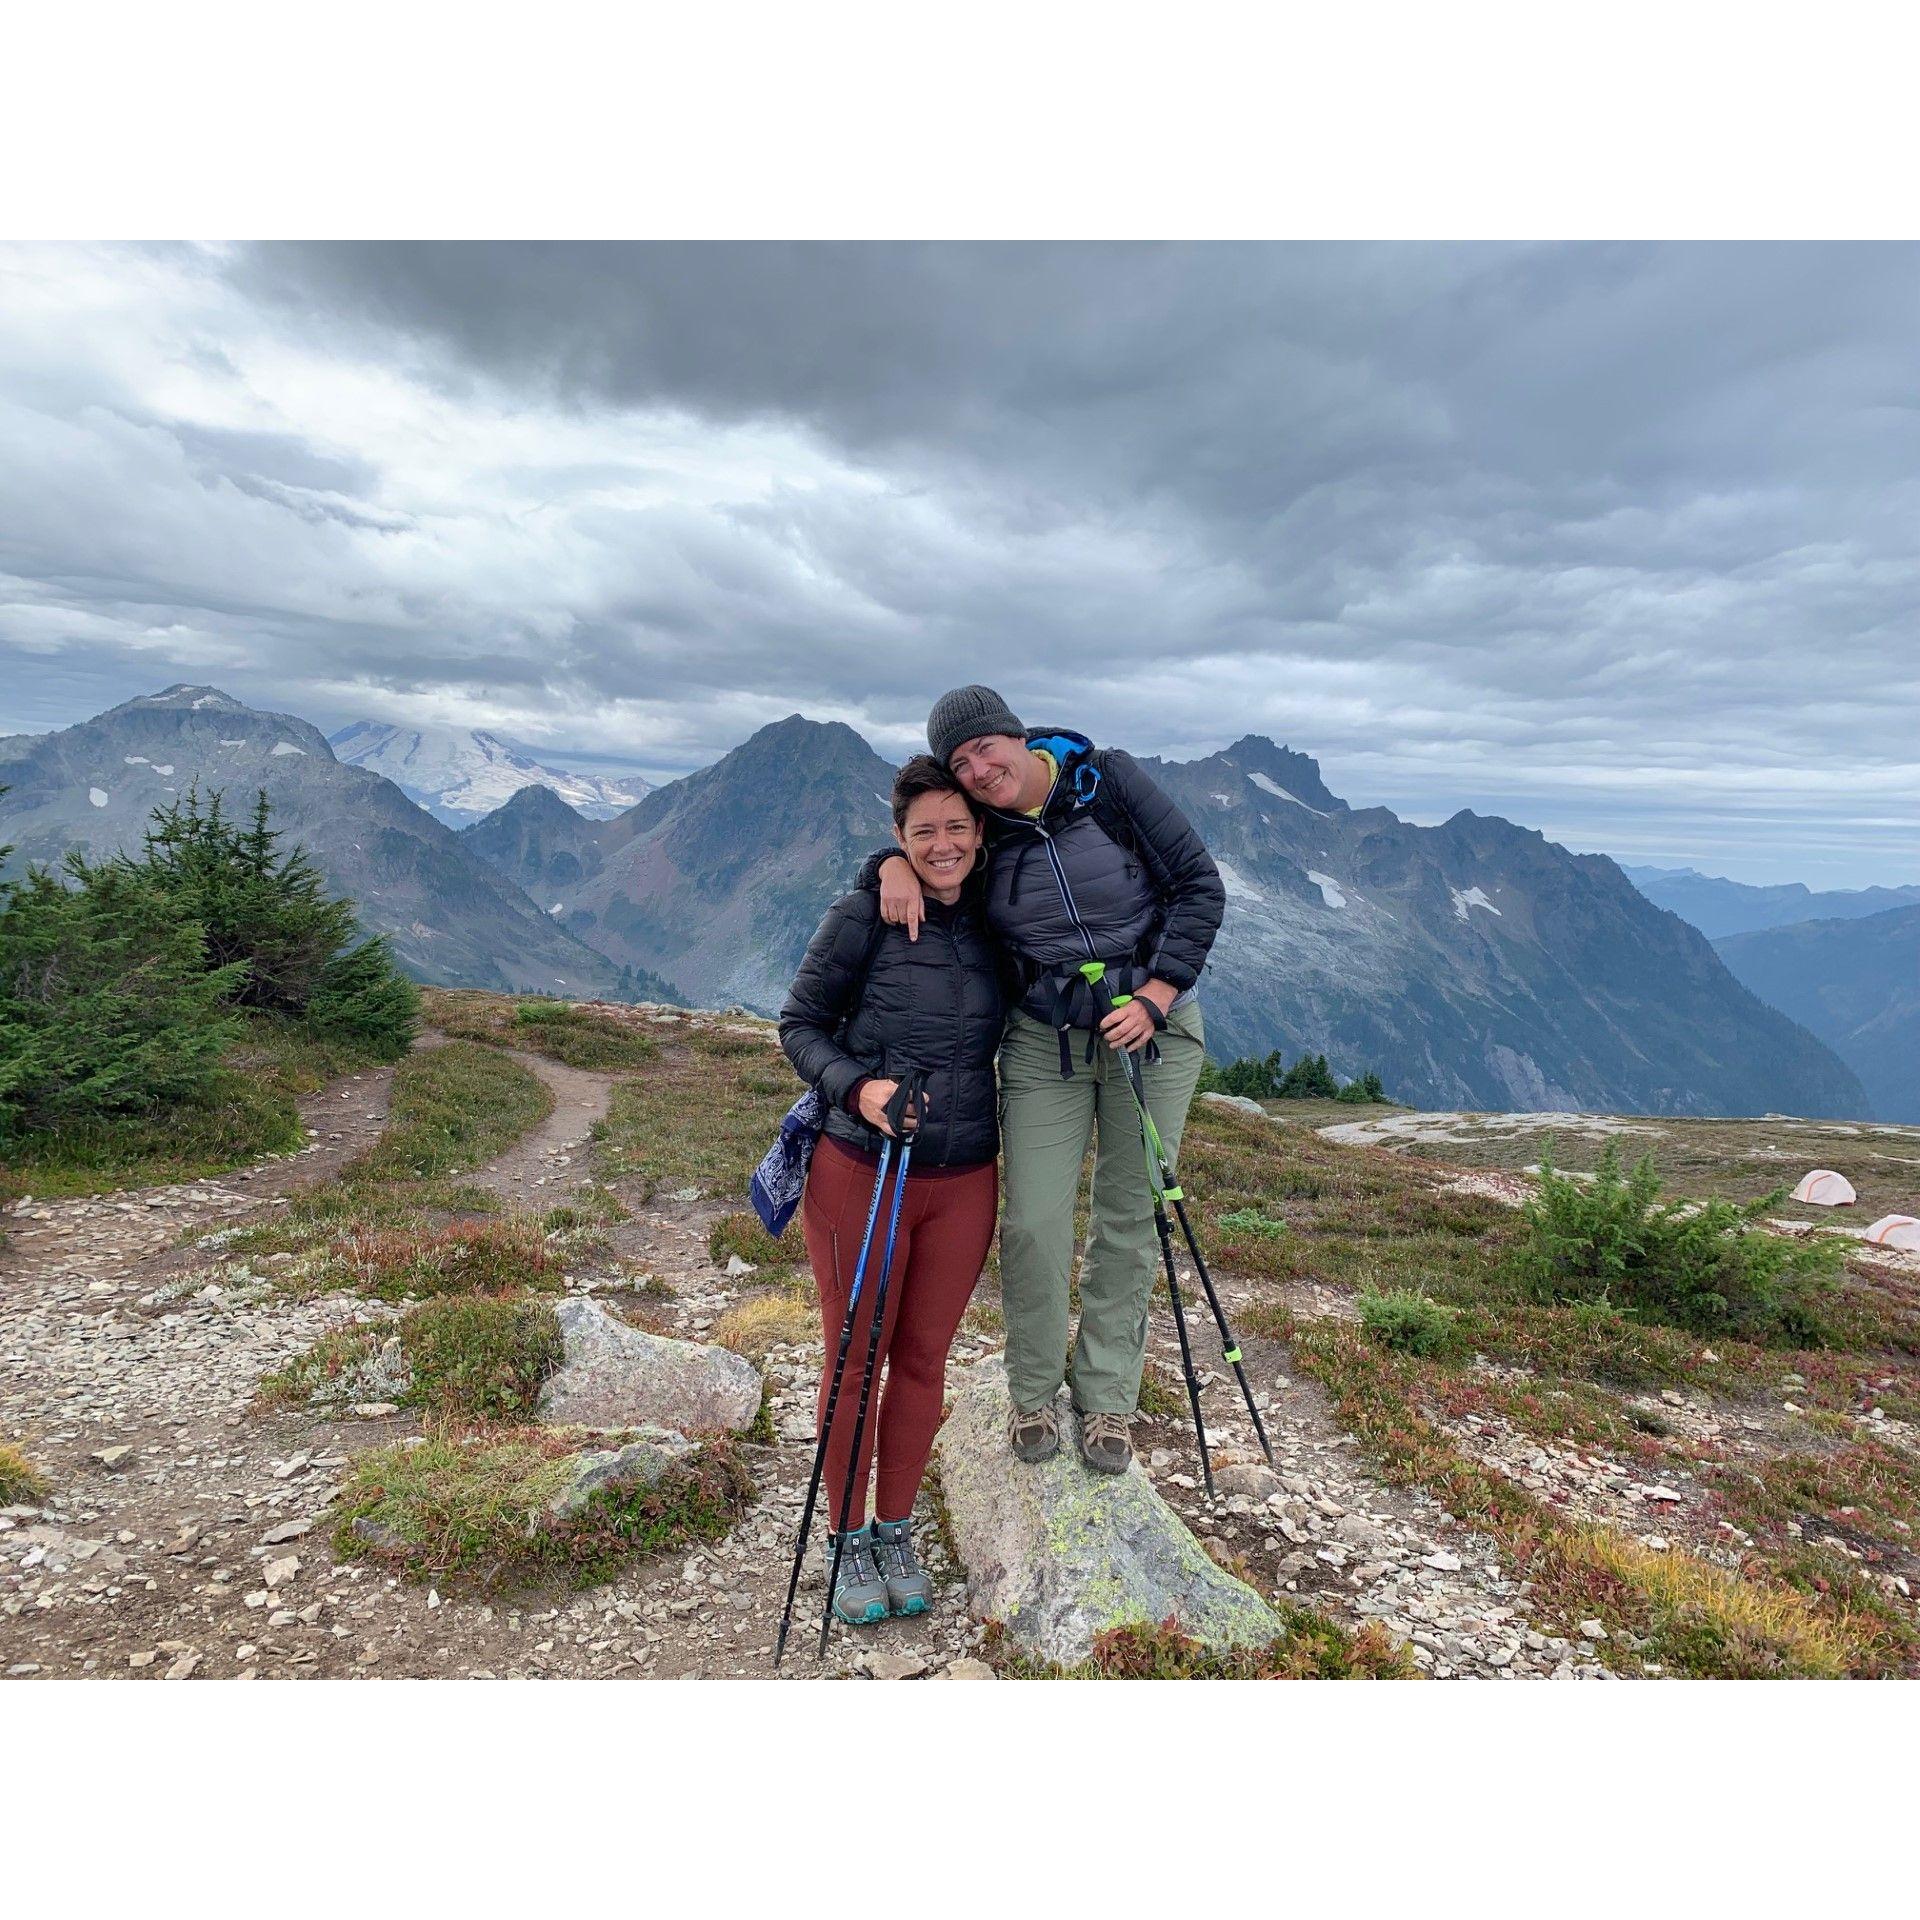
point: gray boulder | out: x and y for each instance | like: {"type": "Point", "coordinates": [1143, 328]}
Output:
{"type": "Point", "coordinates": [615, 1376]}
{"type": "Point", "coordinates": [639, 1463]}
{"type": "Point", "coordinates": [1058, 1554]}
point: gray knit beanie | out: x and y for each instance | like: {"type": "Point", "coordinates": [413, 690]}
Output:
{"type": "Point", "coordinates": [965, 714]}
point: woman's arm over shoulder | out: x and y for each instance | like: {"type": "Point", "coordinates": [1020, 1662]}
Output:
{"type": "Point", "coordinates": [824, 991]}
{"type": "Point", "coordinates": [1181, 865]}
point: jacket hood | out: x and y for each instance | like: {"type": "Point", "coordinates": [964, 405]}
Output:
{"type": "Point", "coordinates": [1078, 781]}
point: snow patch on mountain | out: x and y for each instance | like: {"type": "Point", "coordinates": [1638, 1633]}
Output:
{"type": "Point", "coordinates": [1329, 888]}
{"type": "Point", "coordinates": [1279, 792]}
{"type": "Point", "coordinates": [1237, 885]}
{"type": "Point", "coordinates": [1470, 897]}
{"type": "Point", "coordinates": [286, 746]}
{"type": "Point", "coordinates": [97, 795]}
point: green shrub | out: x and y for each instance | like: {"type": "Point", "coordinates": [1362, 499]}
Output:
{"type": "Point", "coordinates": [1701, 1265]}
{"type": "Point", "coordinates": [1309, 1078]}
{"type": "Point", "coordinates": [118, 982]}
{"type": "Point", "coordinates": [260, 909]}
{"type": "Point", "coordinates": [1251, 1222]}
{"type": "Point", "coordinates": [480, 1357]}
{"type": "Point", "coordinates": [22, 1484]}
{"type": "Point", "coordinates": [1410, 1322]}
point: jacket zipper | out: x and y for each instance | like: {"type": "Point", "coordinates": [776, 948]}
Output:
{"type": "Point", "coordinates": [1066, 894]}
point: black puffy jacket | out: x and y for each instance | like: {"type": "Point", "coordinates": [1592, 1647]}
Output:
{"type": "Point", "coordinates": [867, 1001]}
{"type": "Point", "coordinates": [1110, 853]}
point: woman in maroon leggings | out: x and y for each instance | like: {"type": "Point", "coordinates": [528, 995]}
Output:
{"type": "Point", "coordinates": [868, 1006]}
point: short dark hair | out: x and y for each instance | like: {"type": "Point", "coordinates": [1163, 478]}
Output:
{"type": "Point", "coordinates": [924, 774]}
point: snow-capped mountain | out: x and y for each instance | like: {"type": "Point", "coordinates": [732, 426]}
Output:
{"type": "Point", "coordinates": [461, 775]}
{"type": "Point", "coordinates": [451, 917]}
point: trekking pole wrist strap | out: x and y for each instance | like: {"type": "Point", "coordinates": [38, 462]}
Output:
{"type": "Point", "coordinates": [910, 1093]}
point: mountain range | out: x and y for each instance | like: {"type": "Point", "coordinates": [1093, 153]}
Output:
{"type": "Point", "coordinates": [1854, 983]}
{"type": "Point", "coordinates": [1723, 907]}
{"type": "Point", "coordinates": [461, 775]}
{"type": "Point", "coordinates": [451, 918]}
{"type": "Point", "coordinates": [1475, 963]}
{"type": "Point", "coordinates": [1471, 964]}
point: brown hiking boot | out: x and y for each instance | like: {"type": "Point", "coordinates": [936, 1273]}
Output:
{"type": "Point", "coordinates": [1034, 1436]}
{"type": "Point", "coordinates": [1104, 1444]}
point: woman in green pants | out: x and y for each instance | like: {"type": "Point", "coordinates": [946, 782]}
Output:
{"type": "Point", "coordinates": [1088, 860]}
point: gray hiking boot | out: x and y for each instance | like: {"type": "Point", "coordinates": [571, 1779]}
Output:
{"type": "Point", "coordinates": [860, 1595]}
{"type": "Point", "coordinates": [908, 1588]}
{"type": "Point", "coordinates": [1034, 1436]}
{"type": "Point", "coordinates": [1104, 1444]}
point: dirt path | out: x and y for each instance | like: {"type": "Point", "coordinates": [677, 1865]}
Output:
{"type": "Point", "coordinates": [551, 1153]}
{"type": "Point", "coordinates": [202, 1549]}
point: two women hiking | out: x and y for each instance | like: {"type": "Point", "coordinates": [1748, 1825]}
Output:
{"type": "Point", "coordinates": [1022, 856]}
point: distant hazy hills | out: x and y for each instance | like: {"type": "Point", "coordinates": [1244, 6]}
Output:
{"type": "Point", "coordinates": [461, 776]}
{"type": "Point", "coordinates": [1472, 964]}
{"type": "Point", "coordinates": [1855, 983]}
{"type": "Point", "coordinates": [451, 917]}
{"type": "Point", "coordinates": [1722, 907]}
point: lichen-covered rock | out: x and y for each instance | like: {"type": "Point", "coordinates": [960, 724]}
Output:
{"type": "Point", "coordinates": [615, 1376]}
{"type": "Point", "coordinates": [1059, 1554]}
{"type": "Point", "coordinates": [639, 1463]}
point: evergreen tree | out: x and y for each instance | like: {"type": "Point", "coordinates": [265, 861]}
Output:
{"type": "Point", "coordinates": [1309, 1078]}
{"type": "Point", "coordinates": [255, 904]}
{"type": "Point", "coordinates": [107, 1004]}
{"type": "Point", "coordinates": [362, 997]}
{"type": "Point", "coordinates": [1364, 1091]}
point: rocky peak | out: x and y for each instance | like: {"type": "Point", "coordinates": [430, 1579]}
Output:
{"type": "Point", "coordinates": [1281, 772]}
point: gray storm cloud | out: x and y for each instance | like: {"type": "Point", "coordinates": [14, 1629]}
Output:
{"type": "Point", "coordinates": [1617, 540]}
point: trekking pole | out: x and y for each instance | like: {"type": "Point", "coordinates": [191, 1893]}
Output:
{"type": "Point", "coordinates": [1160, 1177]}
{"type": "Point", "coordinates": [908, 1092]}
{"type": "Point", "coordinates": [833, 1396]}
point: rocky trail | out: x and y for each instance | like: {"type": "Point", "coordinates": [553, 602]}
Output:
{"type": "Point", "coordinates": [187, 1535]}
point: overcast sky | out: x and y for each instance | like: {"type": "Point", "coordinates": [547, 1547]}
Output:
{"type": "Point", "coordinates": [1620, 541]}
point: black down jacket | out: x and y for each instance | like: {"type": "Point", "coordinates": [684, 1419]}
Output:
{"type": "Point", "coordinates": [1112, 870]}
{"type": "Point", "coordinates": [868, 1002]}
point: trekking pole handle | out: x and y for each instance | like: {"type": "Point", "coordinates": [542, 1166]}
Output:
{"type": "Point", "coordinates": [908, 1095]}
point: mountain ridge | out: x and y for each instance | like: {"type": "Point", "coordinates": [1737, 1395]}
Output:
{"type": "Point", "coordinates": [451, 918]}
{"type": "Point", "coordinates": [1475, 963]}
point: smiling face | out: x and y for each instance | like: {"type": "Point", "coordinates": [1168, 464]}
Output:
{"type": "Point", "coordinates": [941, 839]}
{"type": "Point", "coordinates": [996, 769]}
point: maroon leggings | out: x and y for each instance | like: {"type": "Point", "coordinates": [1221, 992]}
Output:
{"type": "Point", "coordinates": [946, 1226]}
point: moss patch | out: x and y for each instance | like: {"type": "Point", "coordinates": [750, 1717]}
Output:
{"type": "Point", "coordinates": [481, 1357]}
{"type": "Point", "coordinates": [1313, 1648]}
{"type": "Point", "coordinates": [480, 1508]}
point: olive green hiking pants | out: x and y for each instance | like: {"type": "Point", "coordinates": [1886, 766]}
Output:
{"type": "Point", "coordinates": [1046, 1125]}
